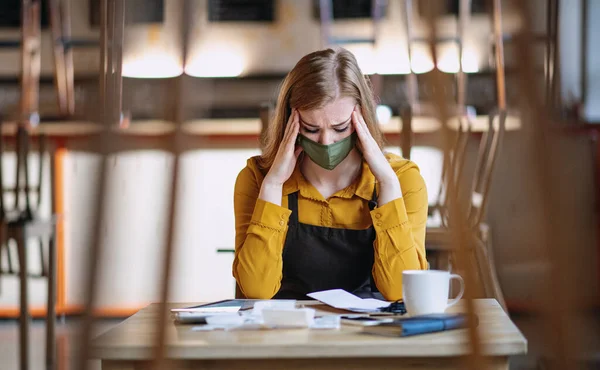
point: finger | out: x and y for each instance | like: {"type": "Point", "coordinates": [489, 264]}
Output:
{"type": "Point", "coordinates": [289, 133]}
{"type": "Point", "coordinates": [358, 125]}
{"type": "Point", "coordinates": [364, 127]}
{"type": "Point", "coordinates": [298, 151]}
{"type": "Point", "coordinates": [294, 133]}
{"type": "Point", "coordinates": [361, 119]}
{"type": "Point", "coordinates": [366, 142]}
{"type": "Point", "coordinates": [288, 127]}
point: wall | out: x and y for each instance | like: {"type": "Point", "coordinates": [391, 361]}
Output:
{"type": "Point", "coordinates": [516, 213]}
{"type": "Point", "coordinates": [134, 229]}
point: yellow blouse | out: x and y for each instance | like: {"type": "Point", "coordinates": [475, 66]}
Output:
{"type": "Point", "coordinates": [261, 227]}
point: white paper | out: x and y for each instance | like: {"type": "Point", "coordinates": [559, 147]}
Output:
{"type": "Point", "coordinates": [288, 318]}
{"type": "Point", "coordinates": [341, 299]}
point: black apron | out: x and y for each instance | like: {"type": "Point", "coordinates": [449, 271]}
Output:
{"type": "Point", "coordinates": [319, 258]}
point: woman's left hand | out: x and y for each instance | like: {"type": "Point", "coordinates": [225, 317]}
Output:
{"type": "Point", "coordinates": [371, 152]}
{"type": "Point", "coordinates": [379, 165]}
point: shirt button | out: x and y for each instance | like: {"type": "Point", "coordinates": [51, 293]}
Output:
{"type": "Point", "coordinates": [283, 217]}
{"type": "Point", "coordinates": [281, 223]}
{"type": "Point", "coordinates": [378, 215]}
{"type": "Point", "coordinates": [379, 224]}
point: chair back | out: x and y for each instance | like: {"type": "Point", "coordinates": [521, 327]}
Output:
{"type": "Point", "coordinates": [406, 134]}
{"type": "Point", "coordinates": [60, 29]}
{"type": "Point", "coordinates": [452, 167]}
{"type": "Point", "coordinates": [489, 147]}
{"type": "Point", "coordinates": [27, 196]}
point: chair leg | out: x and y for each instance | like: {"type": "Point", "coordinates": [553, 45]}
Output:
{"type": "Point", "coordinates": [24, 304]}
{"type": "Point", "coordinates": [479, 290]}
{"type": "Point", "coordinates": [494, 275]}
{"type": "Point", "coordinates": [1, 270]}
{"type": "Point", "coordinates": [488, 272]}
{"type": "Point", "coordinates": [44, 271]}
{"type": "Point", "coordinates": [51, 307]}
{"type": "Point", "coordinates": [11, 269]}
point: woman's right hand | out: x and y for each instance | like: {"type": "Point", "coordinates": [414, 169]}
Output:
{"type": "Point", "coordinates": [287, 155]}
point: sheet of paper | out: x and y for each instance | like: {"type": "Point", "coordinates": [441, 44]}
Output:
{"type": "Point", "coordinates": [341, 299]}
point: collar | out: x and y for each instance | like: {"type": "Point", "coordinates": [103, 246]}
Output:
{"type": "Point", "coordinates": [362, 187]}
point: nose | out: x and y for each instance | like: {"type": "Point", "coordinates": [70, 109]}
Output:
{"type": "Point", "coordinates": [326, 137]}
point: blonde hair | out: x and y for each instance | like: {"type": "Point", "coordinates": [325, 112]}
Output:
{"type": "Point", "coordinates": [316, 80]}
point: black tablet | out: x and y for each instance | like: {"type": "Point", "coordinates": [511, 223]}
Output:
{"type": "Point", "coordinates": [226, 305]}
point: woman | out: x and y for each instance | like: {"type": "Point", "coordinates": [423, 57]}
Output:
{"type": "Point", "coordinates": [323, 207]}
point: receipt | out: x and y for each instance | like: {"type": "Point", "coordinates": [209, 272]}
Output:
{"type": "Point", "coordinates": [341, 299]}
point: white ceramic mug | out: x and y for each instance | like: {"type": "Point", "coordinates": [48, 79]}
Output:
{"type": "Point", "coordinates": [426, 291]}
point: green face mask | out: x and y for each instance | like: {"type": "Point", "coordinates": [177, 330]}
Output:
{"type": "Point", "coordinates": [327, 156]}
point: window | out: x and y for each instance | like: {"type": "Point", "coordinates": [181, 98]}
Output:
{"type": "Point", "coordinates": [10, 13]}
{"type": "Point", "coordinates": [452, 7]}
{"type": "Point", "coordinates": [347, 9]}
{"type": "Point", "coordinates": [241, 10]}
{"type": "Point", "coordinates": [136, 11]}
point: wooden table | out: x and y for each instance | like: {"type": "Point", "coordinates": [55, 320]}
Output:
{"type": "Point", "coordinates": [130, 346]}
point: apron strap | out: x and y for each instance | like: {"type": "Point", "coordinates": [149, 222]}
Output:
{"type": "Point", "coordinates": [372, 205]}
{"type": "Point", "coordinates": [373, 201]}
{"type": "Point", "coordinates": [293, 206]}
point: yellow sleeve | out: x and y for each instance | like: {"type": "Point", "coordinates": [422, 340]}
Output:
{"type": "Point", "coordinates": [400, 235]}
{"type": "Point", "coordinates": [260, 230]}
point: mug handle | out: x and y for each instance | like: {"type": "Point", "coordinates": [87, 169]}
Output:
{"type": "Point", "coordinates": [460, 293]}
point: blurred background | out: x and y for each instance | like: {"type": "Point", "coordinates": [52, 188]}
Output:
{"type": "Point", "coordinates": [208, 71]}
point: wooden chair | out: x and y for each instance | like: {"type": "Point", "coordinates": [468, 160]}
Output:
{"type": "Point", "coordinates": [60, 28]}
{"type": "Point", "coordinates": [487, 157]}
{"type": "Point", "coordinates": [474, 206]}
{"type": "Point", "coordinates": [63, 44]}
{"type": "Point", "coordinates": [22, 222]}
{"type": "Point", "coordinates": [452, 169]}
{"type": "Point", "coordinates": [407, 135]}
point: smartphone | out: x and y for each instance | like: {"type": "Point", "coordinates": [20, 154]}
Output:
{"type": "Point", "coordinates": [363, 320]}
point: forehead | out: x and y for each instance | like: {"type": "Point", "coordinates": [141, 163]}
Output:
{"type": "Point", "coordinates": [333, 113]}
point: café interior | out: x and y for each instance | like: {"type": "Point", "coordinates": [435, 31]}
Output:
{"type": "Point", "coordinates": [125, 124]}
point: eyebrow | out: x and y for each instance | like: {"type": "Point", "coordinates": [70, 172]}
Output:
{"type": "Point", "coordinates": [315, 126]}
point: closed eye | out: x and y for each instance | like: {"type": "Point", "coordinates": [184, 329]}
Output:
{"type": "Point", "coordinates": [314, 131]}
{"type": "Point", "coordinates": [309, 130]}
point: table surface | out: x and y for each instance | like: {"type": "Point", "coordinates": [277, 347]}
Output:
{"type": "Point", "coordinates": [133, 339]}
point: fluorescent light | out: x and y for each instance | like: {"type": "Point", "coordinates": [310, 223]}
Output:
{"type": "Point", "coordinates": [448, 61]}
{"type": "Point", "coordinates": [421, 61]}
{"type": "Point", "coordinates": [153, 63]}
{"type": "Point", "coordinates": [386, 59]}
{"type": "Point", "coordinates": [153, 50]}
{"type": "Point", "coordinates": [218, 61]}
